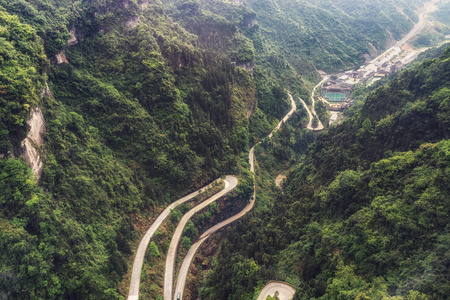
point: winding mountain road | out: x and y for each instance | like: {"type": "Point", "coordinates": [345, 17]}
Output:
{"type": "Point", "coordinates": [313, 110]}
{"type": "Point", "coordinates": [310, 116]}
{"type": "Point", "coordinates": [285, 118]}
{"type": "Point", "coordinates": [230, 183]}
{"type": "Point", "coordinates": [140, 253]}
{"type": "Point", "coordinates": [312, 113]}
{"type": "Point", "coordinates": [285, 291]}
{"type": "Point", "coordinates": [184, 270]}
{"type": "Point", "coordinates": [429, 7]}
{"type": "Point", "coordinates": [325, 78]}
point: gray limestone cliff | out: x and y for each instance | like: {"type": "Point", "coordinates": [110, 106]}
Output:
{"type": "Point", "coordinates": [33, 141]}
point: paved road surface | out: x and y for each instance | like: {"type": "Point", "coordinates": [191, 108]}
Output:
{"type": "Point", "coordinates": [286, 117]}
{"type": "Point", "coordinates": [309, 126]}
{"type": "Point", "coordinates": [325, 78]}
{"type": "Point", "coordinates": [181, 281]}
{"type": "Point", "coordinates": [313, 110]}
{"type": "Point", "coordinates": [230, 183]}
{"type": "Point", "coordinates": [137, 267]}
{"type": "Point", "coordinates": [429, 7]}
{"type": "Point", "coordinates": [312, 114]}
{"type": "Point", "coordinates": [184, 270]}
{"type": "Point", "coordinates": [286, 292]}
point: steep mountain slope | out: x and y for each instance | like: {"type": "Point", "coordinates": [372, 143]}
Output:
{"type": "Point", "coordinates": [365, 216]}
{"type": "Point", "coordinates": [331, 34]}
{"type": "Point", "coordinates": [283, 43]}
{"type": "Point", "coordinates": [324, 34]}
{"type": "Point", "coordinates": [138, 110]}
{"type": "Point", "coordinates": [135, 115]}
{"type": "Point", "coordinates": [22, 62]}
{"type": "Point", "coordinates": [410, 110]}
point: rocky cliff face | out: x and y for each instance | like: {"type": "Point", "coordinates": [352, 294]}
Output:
{"type": "Point", "coordinates": [73, 38]}
{"type": "Point", "coordinates": [60, 58]}
{"type": "Point", "coordinates": [33, 141]}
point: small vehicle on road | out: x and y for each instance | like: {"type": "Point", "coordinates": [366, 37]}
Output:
{"type": "Point", "coordinates": [178, 296]}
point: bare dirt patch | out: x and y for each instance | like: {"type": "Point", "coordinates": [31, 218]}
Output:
{"type": "Point", "coordinates": [279, 180]}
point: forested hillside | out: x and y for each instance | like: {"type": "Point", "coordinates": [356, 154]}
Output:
{"type": "Point", "coordinates": [365, 216]}
{"type": "Point", "coordinates": [136, 114]}
{"type": "Point", "coordinates": [331, 35]}
{"type": "Point", "coordinates": [145, 101]}
{"type": "Point", "coordinates": [285, 42]}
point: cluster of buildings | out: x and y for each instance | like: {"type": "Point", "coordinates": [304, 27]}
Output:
{"type": "Point", "coordinates": [394, 60]}
{"type": "Point", "coordinates": [336, 90]}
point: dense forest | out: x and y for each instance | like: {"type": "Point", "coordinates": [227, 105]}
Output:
{"type": "Point", "coordinates": [365, 215]}
{"type": "Point", "coordinates": [145, 101]}
{"type": "Point", "coordinates": [136, 115]}
{"type": "Point", "coordinates": [331, 35]}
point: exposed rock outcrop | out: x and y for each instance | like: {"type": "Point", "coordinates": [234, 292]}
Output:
{"type": "Point", "coordinates": [46, 92]}
{"type": "Point", "coordinates": [73, 38]}
{"type": "Point", "coordinates": [132, 22]}
{"type": "Point", "coordinates": [251, 104]}
{"type": "Point", "coordinates": [390, 40]}
{"type": "Point", "coordinates": [279, 180]}
{"type": "Point", "coordinates": [61, 58]}
{"type": "Point", "coordinates": [33, 141]}
{"type": "Point", "coordinates": [373, 51]}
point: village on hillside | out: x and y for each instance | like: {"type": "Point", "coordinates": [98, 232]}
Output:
{"type": "Point", "coordinates": [336, 90]}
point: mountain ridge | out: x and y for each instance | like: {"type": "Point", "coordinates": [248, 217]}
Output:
{"type": "Point", "coordinates": [146, 102]}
